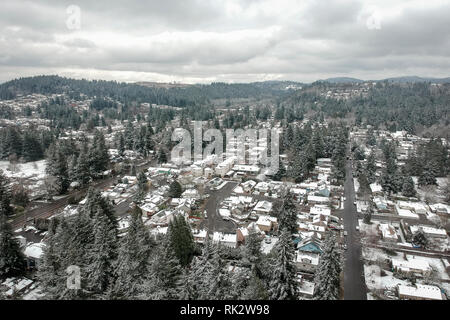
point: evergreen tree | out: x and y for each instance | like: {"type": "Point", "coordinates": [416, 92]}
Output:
{"type": "Point", "coordinates": [287, 214]}
{"type": "Point", "coordinates": [371, 168]}
{"type": "Point", "coordinates": [5, 196]}
{"type": "Point", "coordinates": [162, 157]}
{"type": "Point", "coordinates": [82, 171]}
{"type": "Point", "coordinates": [134, 260]}
{"type": "Point", "coordinates": [428, 176]}
{"type": "Point", "coordinates": [165, 275]}
{"type": "Point", "coordinates": [142, 186]}
{"type": "Point", "coordinates": [181, 240]}
{"type": "Point", "coordinates": [408, 189]}
{"type": "Point", "coordinates": [420, 239]}
{"type": "Point", "coordinates": [327, 276]}
{"type": "Point", "coordinates": [256, 289]}
{"type": "Point", "coordinates": [12, 261]}
{"type": "Point", "coordinates": [283, 284]}
{"type": "Point", "coordinates": [175, 189]}
{"type": "Point", "coordinates": [103, 254]}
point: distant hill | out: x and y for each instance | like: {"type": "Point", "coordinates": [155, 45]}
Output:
{"type": "Point", "coordinates": [412, 79]}
{"type": "Point", "coordinates": [343, 80]}
{"type": "Point", "coordinates": [163, 84]}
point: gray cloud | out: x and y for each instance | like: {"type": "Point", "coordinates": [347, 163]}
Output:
{"type": "Point", "coordinates": [225, 40]}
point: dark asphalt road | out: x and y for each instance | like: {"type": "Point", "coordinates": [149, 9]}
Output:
{"type": "Point", "coordinates": [354, 283]}
{"type": "Point", "coordinates": [214, 221]}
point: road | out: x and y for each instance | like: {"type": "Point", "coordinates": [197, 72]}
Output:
{"type": "Point", "coordinates": [214, 221]}
{"type": "Point", "coordinates": [354, 283]}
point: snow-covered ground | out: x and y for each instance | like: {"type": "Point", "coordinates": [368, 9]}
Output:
{"type": "Point", "coordinates": [30, 170]}
{"type": "Point", "coordinates": [374, 280]}
{"type": "Point", "coordinates": [30, 174]}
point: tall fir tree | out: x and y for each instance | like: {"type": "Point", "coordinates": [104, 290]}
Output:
{"type": "Point", "coordinates": [283, 284]}
{"type": "Point", "coordinates": [327, 276]}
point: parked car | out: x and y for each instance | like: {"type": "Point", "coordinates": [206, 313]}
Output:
{"type": "Point", "coordinates": [345, 247]}
{"type": "Point", "coordinates": [357, 228]}
{"type": "Point", "coordinates": [345, 233]}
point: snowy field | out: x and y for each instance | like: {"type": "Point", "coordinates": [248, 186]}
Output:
{"type": "Point", "coordinates": [30, 174]}
{"type": "Point", "coordinates": [30, 170]}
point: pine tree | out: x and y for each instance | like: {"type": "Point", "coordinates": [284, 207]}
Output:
{"type": "Point", "coordinates": [408, 189]}
{"type": "Point", "coordinates": [49, 273]}
{"type": "Point", "coordinates": [428, 175]}
{"type": "Point", "coordinates": [283, 284]}
{"type": "Point", "coordinates": [165, 275]}
{"type": "Point", "coordinates": [11, 258]}
{"type": "Point", "coordinates": [327, 277]}
{"type": "Point", "coordinates": [256, 289]}
{"type": "Point", "coordinates": [162, 157]}
{"type": "Point", "coordinates": [371, 168]}
{"type": "Point", "coordinates": [175, 190]}
{"type": "Point", "coordinates": [252, 253]}
{"type": "Point", "coordinates": [134, 259]}
{"type": "Point", "coordinates": [142, 186]}
{"type": "Point", "coordinates": [420, 239]}
{"type": "Point", "coordinates": [82, 171]}
{"type": "Point", "coordinates": [102, 255]}
{"type": "Point", "coordinates": [181, 240]}
{"type": "Point", "coordinates": [5, 196]}
{"type": "Point", "coordinates": [287, 215]}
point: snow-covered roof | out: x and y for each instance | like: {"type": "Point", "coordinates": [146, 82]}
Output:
{"type": "Point", "coordinates": [320, 210]}
{"type": "Point", "coordinates": [410, 265]}
{"type": "Point", "coordinates": [421, 291]}
{"type": "Point", "coordinates": [388, 231]}
{"type": "Point", "coordinates": [375, 187]}
{"type": "Point", "coordinates": [429, 230]}
{"type": "Point", "coordinates": [34, 250]}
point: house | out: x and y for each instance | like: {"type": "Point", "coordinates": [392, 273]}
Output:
{"type": "Point", "coordinates": [320, 210]}
{"type": "Point", "coordinates": [191, 194]}
{"type": "Point", "coordinates": [388, 232]}
{"type": "Point", "coordinates": [324, 162]}
{"type": "Point", "coordinates": [430, 231]}
{"type": "Point", "coordinates": [33, 253]}
{"type": "Point", "coordinates": [247, 186]}
{"type": "Point", "coordinates": [310, 244]}
{"type": "Point", "coordinates": [199, 235]}
{"type": "Point", "coordinates": [306, 262]}
{"type": "Point", "coordinates": [263, 207]}
{"type": "Point", "coordinates": [262, 187]}
{"type": "Point", "coordinates": [266, 223]}
{"type": "Point", "coordinates": [248, 169]}
{"type": "Point", "coordinates": [312, 199]}
{"type": "Point", "coordinates": [411, 266]}
{"type": "Point", "coordinates": [226, 239]}
{"type": "Point", "coordinates": [149, 208]}
{"type": "Point", "coordinates": [242, 234]}
{"type": "Point", "coordinates": [419, 292]}
{"type": "Point", "coordinates": [376, 189]}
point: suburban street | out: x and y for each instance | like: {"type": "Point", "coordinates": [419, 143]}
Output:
{"type": "Point", "coordinates": [354, 283]}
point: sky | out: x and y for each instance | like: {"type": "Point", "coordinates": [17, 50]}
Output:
{"type": "Point", "coordinates": [202, 41]}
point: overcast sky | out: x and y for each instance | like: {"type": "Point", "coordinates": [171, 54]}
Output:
{"type": "Point", "coordinates": [224, 40]}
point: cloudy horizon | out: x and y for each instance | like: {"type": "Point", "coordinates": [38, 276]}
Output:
{"type": "Point", "coordinates": [194, 41]}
